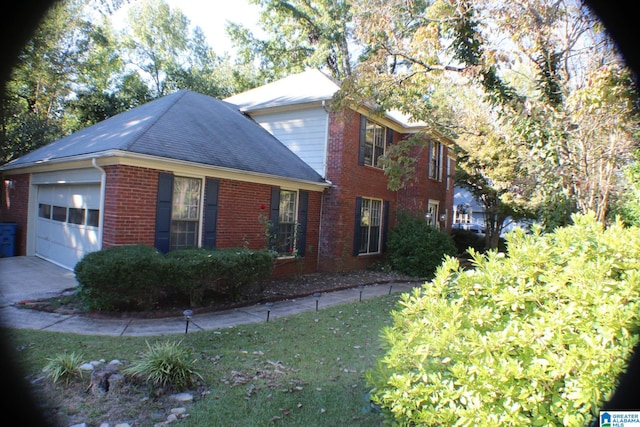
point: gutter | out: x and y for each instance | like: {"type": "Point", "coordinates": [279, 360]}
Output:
{"type": "Point", "coordinates": [103, 191]}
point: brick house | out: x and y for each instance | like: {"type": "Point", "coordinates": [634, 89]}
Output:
{"type": "Point", "coordinates": [274, 163]}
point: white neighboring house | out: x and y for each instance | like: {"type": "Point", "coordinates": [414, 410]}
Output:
{"type": "Point", "coordinates": [468, 214]}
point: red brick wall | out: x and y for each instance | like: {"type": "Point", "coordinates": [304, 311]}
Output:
{"type": "Point", "coordinates": [129, 206]}
{"type": "Point", "coordinates": [130, 212]}
{"type": "Point", "coordinates": [350, 180]}
{"type": "Point", "coordinates": [15, 208]}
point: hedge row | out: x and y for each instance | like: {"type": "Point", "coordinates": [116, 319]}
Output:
{"type": "Point", "coordinates": [136, 277]}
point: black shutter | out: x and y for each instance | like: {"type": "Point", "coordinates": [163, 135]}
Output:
{"type": "Point", "coordinates": [356, 227]}
{"type": "Point", "coordinates": [389, 137]}
{"type": "Point", "coordinates": [163, 212]}
{"type": "Point", "coordinates": [211, 213]}
{"type": "Point", "coordinates": [385, 224]}
{"type": "Point", "coordinates": [303, 206]}
{"type": "Point", "coordinates": [274, 216]}
{"type": "Point", "coordinates": [363, 137]}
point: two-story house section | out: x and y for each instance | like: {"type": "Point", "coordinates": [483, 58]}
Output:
{"type": "Point", "coordinates": [344, 146]}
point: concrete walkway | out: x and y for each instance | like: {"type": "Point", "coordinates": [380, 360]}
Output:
{"type": "Point", "coordinates": [25, 278]}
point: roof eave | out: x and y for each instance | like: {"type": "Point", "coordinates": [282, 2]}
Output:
{"type": "Point", "coordinates": [119, 156]}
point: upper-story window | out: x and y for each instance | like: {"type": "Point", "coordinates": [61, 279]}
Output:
{"type": "Point", "coordinates": [435, 160]}
{"type": "Point", "coordinates": [373, 141]}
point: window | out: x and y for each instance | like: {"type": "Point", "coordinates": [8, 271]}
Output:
{"type": "Point", "coordinates": [432, 213]}
{"type": "Point", "coordinates": [76, 216]}
{"type": "Point", "coordinates": [370, 216]}
{"type": "Point", "coordinates": [185, 213]}
{"type": "Point", "coordinates": [93, 217]}
{"type": "Point", "coordinates": [372, 142]}
{"type": "Point", "coordinates": [286, 231]}
{"type": "Point", "coordinates": [435, 160]}
{"type": "Point", "coordinates": [44, 211]}
{"type": "Point", "coordinates": [59, 213]}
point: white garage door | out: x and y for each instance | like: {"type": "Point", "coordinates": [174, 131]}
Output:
{"type": "Point", "coordinates": [68, 221]}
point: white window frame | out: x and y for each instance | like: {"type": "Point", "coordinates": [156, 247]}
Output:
{"type": "Point", "coordinates": [436, 150]}
{"type": "Point", "coordinates": [375, 136]}
{"type": "Point", "coordinates": [189, 214]}
{"type": "Point", "coordinates": [368, 221]}
{"type": "Point", "coordinates": [287, 233]}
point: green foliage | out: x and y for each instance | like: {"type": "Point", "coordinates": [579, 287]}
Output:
{"type": "Point", "coordinates": [137, 277]}
{"type": "Point", "coordinates": [537, 337]}
{"type": "Point", "coordinates": [165, 364]}
{"type": "Point", "coordinates": [416, 248]}
{"type": "Point", "coordinates": [120, 278]}
{"type": "Point", "coordinates": [63, 366]}
{"type": "Point", "coordinates": [223, 271]}
{"type": "Point", "coordinates": [465, 239]}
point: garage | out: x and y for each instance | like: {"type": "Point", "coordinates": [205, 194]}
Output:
{"type": "Point", "coordinates": [67, 222]}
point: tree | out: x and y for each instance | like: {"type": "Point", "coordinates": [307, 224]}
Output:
{"type": "Point", "coordinates": [302, 34]}
{"type": "Point", "coordinates": [31, 106]}
{"type": "Point", "coordinates": [533, 61]}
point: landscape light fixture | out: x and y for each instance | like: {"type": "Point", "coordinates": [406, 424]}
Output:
{"type": "Point", "coordinates": [317, 296]}
{"type": "Point", "coordinates": [268, 305]}
{"type": "Point", "coordinates": [188, 314]}
{"type": "Point", "coordinates": [360, 288]}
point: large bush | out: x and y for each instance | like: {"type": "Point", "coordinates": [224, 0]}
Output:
{"type": "Point", "coordinates": [416, 248]}
{"type": "Point", "coordinates": [137, 277]}
{"type": "Point", "coordinates": [222, 271]}
{"type": "Point", "coordinates": [537, 337]}
{"type": "Point", "coordinates": [120, 278]}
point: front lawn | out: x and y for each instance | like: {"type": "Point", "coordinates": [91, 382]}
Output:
{"type": "Point", "coordinates": [306, 369]}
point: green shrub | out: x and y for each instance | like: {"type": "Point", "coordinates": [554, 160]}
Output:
{"type": "Point", "coordinates": [537, 337]}
{"type": "Point", "coordinates": [63, 366]}
{"type": "Point", "coordinates": [137, 277]}
{"type": "Point", "coordinates": [222, 271]}
{"type": "Point", "coordinates": [165, 364]}
{"type": "Point", "coordinates": [120, 278]}
{"type": "Point", "coordinates": [465, 239]}
{"type": "Point", "coordinates": [416, 248]}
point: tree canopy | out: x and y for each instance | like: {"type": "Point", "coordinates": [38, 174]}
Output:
{"type": "Point", "coordinates": [543, 110]}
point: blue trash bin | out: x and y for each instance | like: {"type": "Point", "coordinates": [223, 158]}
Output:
{"type": "Point", "coordinates": [8, 239]}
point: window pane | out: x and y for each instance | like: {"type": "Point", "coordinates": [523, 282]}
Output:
{"type": "Point", "coordinates": [183, 234]}
{"type": "Point", "coordinates": [185, 213]}
{"type": "Point", "coordinates": [44, 211]}
{"type": "Point", "coordinates": [370, 215]}
{"type": "Point", "coordinates": [93, 217]}
{"type": "Point", "coordinates": [76, 216]}
{"type": "Point", "coordinates": [286, 237]}
{"type": "Point", "coordinates": [186, 198]}
{"type": "Point", "coordinates": [375, 137]}
{"type": "Point", "coordinates": [59, 213]}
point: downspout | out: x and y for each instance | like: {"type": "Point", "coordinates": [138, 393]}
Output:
{"type": "Point", "coordinates": [103, 191]}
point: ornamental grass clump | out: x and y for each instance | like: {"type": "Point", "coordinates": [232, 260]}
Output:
{"type": "Point", "coordinates": [535, 337]}
{"type": "Point", "coordinates": [63, 366]}
{"type": "Point", "coordinates": [165, 365]}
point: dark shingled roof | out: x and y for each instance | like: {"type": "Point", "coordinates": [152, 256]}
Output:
{"type": "Point", "coordinates": [185, 126]}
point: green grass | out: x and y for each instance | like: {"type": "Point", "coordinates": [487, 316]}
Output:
{"type": "Point", "coordinates": [307, 369]}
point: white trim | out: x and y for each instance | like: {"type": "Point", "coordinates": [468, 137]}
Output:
{"type": "Point", "coordinates": [117, 157]}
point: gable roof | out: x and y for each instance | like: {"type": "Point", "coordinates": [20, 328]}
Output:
{"type": "Point", "coordinates": [185, 126]}
{"type": "Point", "coordinates": [308, 86]}
{"type": "Point", "coordinates": [311, 85]}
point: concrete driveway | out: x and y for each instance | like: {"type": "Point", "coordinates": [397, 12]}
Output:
{"type": "Point", "coordinates": [24, 278]}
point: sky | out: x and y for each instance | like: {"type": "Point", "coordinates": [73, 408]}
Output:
{"type": "Point", "coordinates": [211, 16]}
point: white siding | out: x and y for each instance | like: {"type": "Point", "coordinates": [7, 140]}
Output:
{"type": "Point", "coordinates": [304, 131]}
